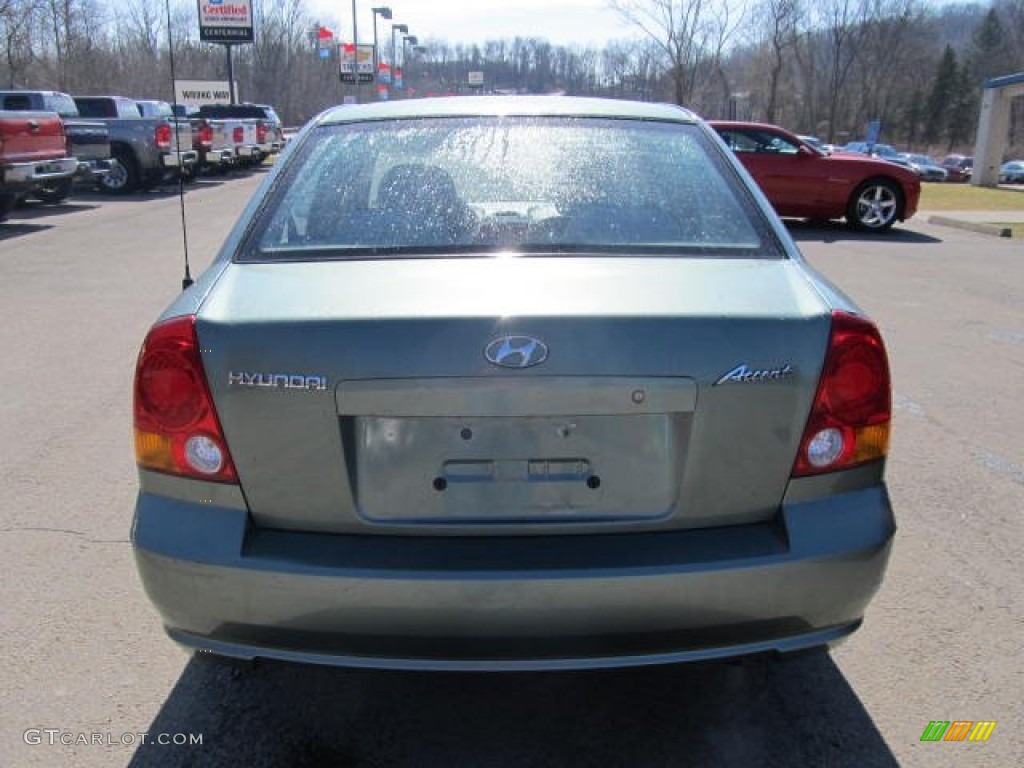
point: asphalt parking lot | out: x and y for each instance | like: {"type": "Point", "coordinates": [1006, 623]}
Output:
{"type": "Point", "coordinates": [86, 657]}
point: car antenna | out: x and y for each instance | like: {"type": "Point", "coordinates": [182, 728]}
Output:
{"type": "Point", "coordinates": [187, 280]}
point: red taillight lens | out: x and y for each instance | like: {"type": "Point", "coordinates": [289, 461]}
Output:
{"type": "Point", "coordinates": [849, 421]}
{"type": "Point", "coordinates": [206, 135]}
{"type": "Point", "coordinates": [176, 425]}
{"type": "Point", "coordinates": [238, 134]}
{"type": "Point", "coordinates": [261, 133]}
{"type": "Point", "coordinates": [163, 136]}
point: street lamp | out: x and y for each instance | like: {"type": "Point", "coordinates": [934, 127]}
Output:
{"type": "Point", "coordinates": [385, 13]}
{"type": "Point", "coordinates": [355, 54]}
{"type": "Point", "coordinates": [416, 48]}
{"type": "Point", "coordinates": [405, 31]}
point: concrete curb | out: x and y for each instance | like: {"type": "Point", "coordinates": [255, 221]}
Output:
{"type": "Point", "coordinates": [973, 226]}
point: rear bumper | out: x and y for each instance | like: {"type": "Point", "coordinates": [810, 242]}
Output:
{"type": "Point", "coordinates": [27, 174]}
{"type": "Point", "coordinates": [218, 157]}
{"type": "Point", "coordinates": [556, 602]}
{"type": "Point", "coordinates": [180, 159]}
{"type": "Point", "coordinates": [91, 169]}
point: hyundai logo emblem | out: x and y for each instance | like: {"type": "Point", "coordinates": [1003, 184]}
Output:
{"type": "Point", "coordinates": [516, 352]}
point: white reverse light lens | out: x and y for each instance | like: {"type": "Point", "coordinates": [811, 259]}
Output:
{"type": "Point", "coordinates": [203, 455]}
{"type": "Point", "coordinates": [825, 447]}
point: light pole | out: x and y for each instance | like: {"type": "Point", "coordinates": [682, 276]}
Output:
{"type": "Point", "coordinates": [385, 13]}
{"type": "Point", "coordinates": [415, 43]}
{"type": "Point", "coordinates": [394, 61]}
{"type": "Point", "coordinates": [355, 59]}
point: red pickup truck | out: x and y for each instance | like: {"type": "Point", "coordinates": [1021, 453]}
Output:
{"type": "Point", "coordinates": [33, 150]}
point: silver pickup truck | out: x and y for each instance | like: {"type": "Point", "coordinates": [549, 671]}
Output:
{"type": "Point", "coordinates": [263, 132]}
{"type": "Point", "coordinates": [146, 151]}
{"type": "Point", "coordinates": [214, 140]}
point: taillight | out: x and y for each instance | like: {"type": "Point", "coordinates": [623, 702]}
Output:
{"type": "Point", "coordinates": [163, 136]}
{"type": "Point", "coordinates": [176, 425]}
{"type": "Point", "coordinates": [206, 136]}
{"type": "Point", "coordinates": [261, 133]}
{"type": "Point", "coordinates": [849, 421]}
{"type": "Point", "coordinates": [238, 134]}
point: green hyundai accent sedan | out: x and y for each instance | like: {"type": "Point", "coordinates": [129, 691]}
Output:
{"type": "Point", "coordinates": [510, 383]}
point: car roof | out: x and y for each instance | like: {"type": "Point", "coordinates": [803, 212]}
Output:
{"type": "Point", "coordinates": [747, 124]}
{"type": "Point", "coordinates": [481, 106]}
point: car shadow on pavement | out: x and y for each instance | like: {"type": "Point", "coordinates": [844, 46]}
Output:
{"type": "Point", "coordinates": [30, 211]}
{"type": "Point", "coordinates": [159, 192]}
{"type": "Point", "coordinates": [837, 231]}
{"type": "Point", "coordinates": [763, 711]}
{"type": "Point", "coordinates": [12, 228]}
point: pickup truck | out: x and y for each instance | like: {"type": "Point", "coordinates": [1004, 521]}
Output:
{"type": "Point", "coordinates": [88, 141]}
{"type": "Point", "coordinates": [146, 150]}
{"type": "Point", "coordinates": [212, 139]}
{"type": "Point", "coordinates": [269, 133]}
{"type": "Point", "coordinates": [33, 150]}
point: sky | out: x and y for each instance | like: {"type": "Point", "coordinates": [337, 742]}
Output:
{"type": "Point", "coordinates": [561, 22]}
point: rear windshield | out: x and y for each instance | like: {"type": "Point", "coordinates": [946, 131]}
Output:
{"type": "Point", "coordinates": [95, 107]}
{"type": "Point", "coordinates": [405, 188]}
{"type": "Point", "coordinates": [155, 109]}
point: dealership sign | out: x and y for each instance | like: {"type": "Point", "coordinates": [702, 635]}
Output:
{"type": "Point", "coordinates": [198, 92]}
{"type": "Point", "coordinates": [225, 21]}
{"type": "Point", "coordinates": [356, 63]}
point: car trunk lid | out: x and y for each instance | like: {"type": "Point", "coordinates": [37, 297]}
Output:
{"type": "Point", "coordinates": [359, 395]}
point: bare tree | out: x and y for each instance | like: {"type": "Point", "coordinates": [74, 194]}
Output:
{"type": "Point", "coordinates": [881, 76]}
{"type": "Point", "coordinates": [844, 26]}
{"type": "Point", "coordinates": [691, 34]}
{"type": "Point", "coordinates": [776, 23]}
{"type": "Point", "coordinates": [16, 20]}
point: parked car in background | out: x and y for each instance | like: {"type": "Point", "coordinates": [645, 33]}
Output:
{"type": "Point", "coordinates": [269, 131]}
{"type": "Point", "coordinates": [88, 141]}
{"type": "Point", "coordinates": [958, 167]}
{"type": "Point", "coordinates": [641, 431]}
{"type": "Point", "coordinates": [211, 140]}
{"type": "Point", "coordinates": [802, 182]}
{"type": "Point", "coordinates": [882, 151]}
{"type": "Point", "coordinates": [926, 167]}
{"type": "Point", "coordinates": [33, 151]}
{"type": "Point", "coordinates": [1012, 172]}
{"type": "Point", "coordinates": [146, 150]}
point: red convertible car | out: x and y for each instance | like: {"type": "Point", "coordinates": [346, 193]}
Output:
{"type": "Point", "coordinates": [803, 182]}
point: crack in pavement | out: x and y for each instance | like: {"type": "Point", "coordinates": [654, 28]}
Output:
{"type": "Point", "coordinates": [80, 534]}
